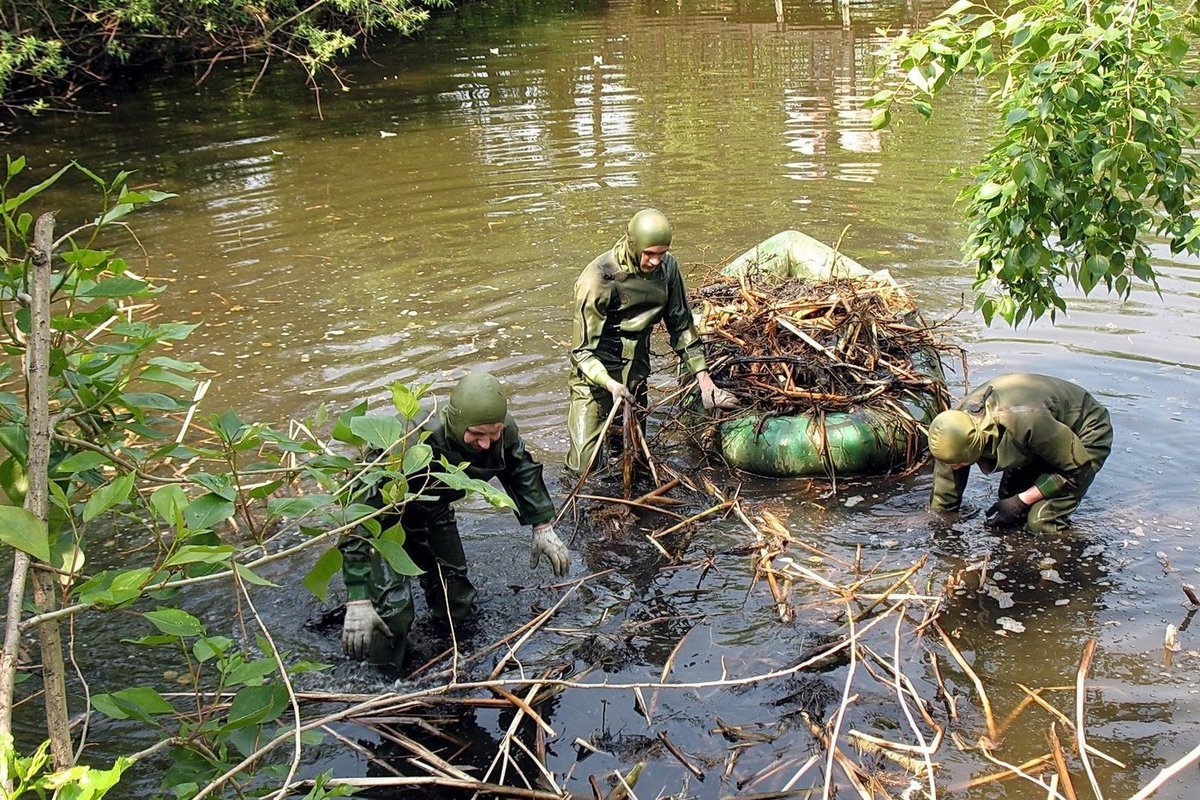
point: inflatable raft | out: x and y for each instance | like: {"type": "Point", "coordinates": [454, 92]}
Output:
{"type": "Point", "coordinates": [861, 439]}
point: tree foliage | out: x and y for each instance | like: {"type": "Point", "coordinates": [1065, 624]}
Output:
{"type": "Point", "coordinates": [1096, 146]}
{"type": "Point", "coordinates": [212, 508]}
{"type": "Point", "coordinates": [50, 50]}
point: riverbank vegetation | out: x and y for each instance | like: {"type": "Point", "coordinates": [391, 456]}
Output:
{"type": "Point", "coordinates": [51, 51]}
{"type": "Point", "coordinates": [1096, 144]}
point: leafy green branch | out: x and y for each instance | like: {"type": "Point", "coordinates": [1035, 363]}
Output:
{"type": "Point", "coordinates": [1095, 150]}
{"type": "Point", "coordinates": [104, 437]}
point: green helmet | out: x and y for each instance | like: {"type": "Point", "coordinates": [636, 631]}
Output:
{"type": "Point", "coordinates": [954, 438]}
{"type": "Point", "coordinates": [648, 228]}
{"type": "Point", "coordinates": [477, 399]}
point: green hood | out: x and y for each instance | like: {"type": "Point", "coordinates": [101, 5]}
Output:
{"type": "Point", "coordinates": [647, 228]}
{"type": "Point", "coordinates": [477, 399]}
{"type": "Point", "coordinates": [954, 438]}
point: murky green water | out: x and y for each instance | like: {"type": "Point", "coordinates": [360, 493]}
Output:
{"type": "Point", "coordinates": [436, 218]}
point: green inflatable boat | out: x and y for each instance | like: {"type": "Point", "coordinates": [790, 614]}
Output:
{"type": "Point", "coordinates": [860, 440]}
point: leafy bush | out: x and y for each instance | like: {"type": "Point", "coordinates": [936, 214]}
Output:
{"type": "Point", "coordinates": [49, 50]}
{"type": "Point", "coordinates": [1096, 147]}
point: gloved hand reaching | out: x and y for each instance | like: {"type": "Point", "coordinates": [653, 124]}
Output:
{"type": "Point", "coordinates": [361, 627]}
{"type": "Point", "coordinates": [713, 396]}
{"type": "Point", "coordinates": [546, 543]}
{"type": "Point", "coordinates": [1009, 512]}
{"type": "Point", "coordinates": [620, 391]}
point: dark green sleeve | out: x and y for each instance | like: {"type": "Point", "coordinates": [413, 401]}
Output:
{"type": "Point", "coordinates": [357, 550]}
{"type": "Point", "coordinates": [948, 486]}
{"type": "Point", "coordinates": [681, 328]}
{"type": "Point", "coordinates": [592, 297]}
{"type": "Point", "coordinates": [522, 480]}
{"type": "Point", "coordinates": [1057, 445]}
{"type": "Point", "coordinates": [356, 565]}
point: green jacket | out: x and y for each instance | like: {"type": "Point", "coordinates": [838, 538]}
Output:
{"type": "Point", "coordinates": [508, 461]}
{"type": "Point", "coordinates": [617, 305]}
{"type": "Point", "coordinates": [1027, 420]}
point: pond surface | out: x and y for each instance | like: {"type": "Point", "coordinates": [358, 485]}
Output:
{"type": "Point", "coordinates": [434, 216]}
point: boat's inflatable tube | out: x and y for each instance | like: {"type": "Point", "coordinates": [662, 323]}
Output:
{"type": "Point", "coordinates": [862, 440]}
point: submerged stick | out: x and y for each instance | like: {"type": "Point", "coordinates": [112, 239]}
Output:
{"type": "Point", "coordinates": [983, 698]}
{"type": "Point", "coordinates": [1085, 664]}
{"type": "Point", "coordinates": [1060, 762]}
{"type": "Point", "coordinates": [679, 756]}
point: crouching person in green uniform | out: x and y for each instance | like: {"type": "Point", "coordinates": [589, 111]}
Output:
{"type": "Point", "coordinates": [473, 427]}
{"type": "Point", "coordinates": [1047, 436]}
{"type": "Point", "coordinates": [619, 298]}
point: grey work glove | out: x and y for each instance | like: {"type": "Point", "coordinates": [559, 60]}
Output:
{"type": "Point", "coordinates": [546, 543]}
{"type": "Point", "coordinates": [714, 396]}
{"type": "Point", "coordinates": [620, 391]}
{"type": "Point", "coordinates": [361, 627]}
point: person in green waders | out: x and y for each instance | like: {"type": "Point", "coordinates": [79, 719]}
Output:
{"type": "Point", "coordinates": [1047, 436]}
{"type": "Point", "coordinates": [618, 299]}
{"type": "Point", "coordinates": [472, 427]}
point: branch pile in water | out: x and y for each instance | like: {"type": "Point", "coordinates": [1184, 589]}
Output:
{"type": "Point", "coordinates": [788, 346]}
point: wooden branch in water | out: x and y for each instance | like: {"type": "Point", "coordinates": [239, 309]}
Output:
{"type": "Point", "coordinates": [1060, 762]}
{"type": "Point", "coordinates": [1085, 665]}
{"type": "Point", "coordinates": [679, 756]}
{"type": "Point", "coordinates": [708, 512]}
{"type": "Point", "coordinates": [639, 503]}
{"type": "Point", "coordinates": [983, 698]}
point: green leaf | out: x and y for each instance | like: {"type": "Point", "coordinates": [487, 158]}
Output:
{"type": "Point", "coordinates": [174, 622]}
{"type": "Point", "coordinates": [206, 511]}
{"type": "Point", "coordinates": [958, 8]}
{"type": "Point", "coordinates": [989, 190]}
{"type": "Point", "coordinates": [108, 496]}
{"type": "Point", "coordinates": [378, 430]}
{"type": "Point", "coordinates": [209, 647]}
{"type": "Point", "coordinates": [255, 704]}
{"type": "Point", "coordinates": [229, 425]}
{"type": "Point", "coordinates": [459, 480]}
{"type": "Point", "coordinates": [81, 462]}
{"type": "Point", "coordinates": [200, 554]}
{"type": "Point", "coordinates": [249, 576]}
{"type": "Point", "coordinates": [881, 119]}
{"type": "Point", "coordinates": [139, 702]}
{"type": "Point", "coordinates": [1016, 116]}
{"type": "Point", "coordinates": [396, 557]}
{"type": "Point", "coordinates": [220, 485]}
{"type": "Point", "coordinates": [152, 400]}
{"type": "Point", "coordinates": [13, 480]}
{"type": "Point", "coordinates": [120, 286]}
{"type": "Point", "coordinates": [405, 401]}
{"type": "Point", "coordinates": [1177, 49]}
{"type": "Point", "coordinates": [250, 673]}
{"type": "Point", "coordinates": [161, 375]}
{"type": "Point", "coordinates": [341, 427]}
{"type": "Point", "coordinates": [295, 507]}
{"type": "Point", "coordinates": [318, 577]}
{"type": "Point", "coordinates": [168, 503]}
{"type": "Point", "coordinates": [25, 532]}
{"type": "Point", "coordinates": [417, 458]}
{"type": "Point", "coordinates": [16, 202]}
{"type": "Point", "coordinates": [15, 439]}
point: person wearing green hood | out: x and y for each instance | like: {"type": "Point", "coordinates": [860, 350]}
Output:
{"type": "Point", "coordinates": [1049, 438]}
{"type": "Point", "coordinates": [475, 428]}
{"type": "Point", "coordinates": [619, 298]}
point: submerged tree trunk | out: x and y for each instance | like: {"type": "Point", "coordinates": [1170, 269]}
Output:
{"type": "Point", "coordinates": [37, 497]}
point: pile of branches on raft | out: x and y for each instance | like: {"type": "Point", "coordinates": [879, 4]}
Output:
{"type": "Point", "coordinates": [791, 346]}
